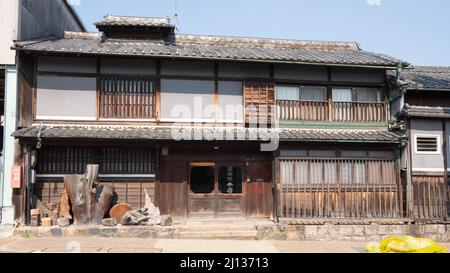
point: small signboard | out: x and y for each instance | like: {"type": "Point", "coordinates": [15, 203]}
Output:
{"type": "Point", "coordinates": [16, 177]}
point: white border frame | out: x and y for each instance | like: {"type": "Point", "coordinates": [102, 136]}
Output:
{"type": "Point", "coordinates": [438, 138]}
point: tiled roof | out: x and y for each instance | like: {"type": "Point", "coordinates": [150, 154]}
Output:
{"type": "Point", "coordinates": [433, 78]}
{"type": "Point", "coordinates": [221, 133]}
{"type": "Point", "coordinates": [240, 49]}
{"type": "Point", "coordinates": [120, 21]}
{"type": "Point", "coordinates": [429, 112]}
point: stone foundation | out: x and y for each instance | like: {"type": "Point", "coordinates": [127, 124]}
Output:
{"type": "Point", "coordinates": [370, 232]}
{"type": "Point", "coordinates": [325, 232]}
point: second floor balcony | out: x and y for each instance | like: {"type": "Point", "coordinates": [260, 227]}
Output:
{"type": "Point", "coordinates": [315, 104]}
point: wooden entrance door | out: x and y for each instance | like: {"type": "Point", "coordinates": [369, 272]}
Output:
{"type": "Point", "coordinates": [215, 190]}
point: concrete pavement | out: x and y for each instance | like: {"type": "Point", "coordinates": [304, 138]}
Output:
{"type": "Point", "coordinates": [117, 245]}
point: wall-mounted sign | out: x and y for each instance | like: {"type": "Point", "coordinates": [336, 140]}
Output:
{"type": "Point", "coordinates": [16, 177]}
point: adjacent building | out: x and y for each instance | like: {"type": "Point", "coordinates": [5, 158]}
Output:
{"type": "Point", "coordinates": [426, 116]}
{"type": "Point", "coordinates": [22, 20]}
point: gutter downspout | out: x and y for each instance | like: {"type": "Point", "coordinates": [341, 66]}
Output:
{"type": "Point", "coordinates": [445, 182]}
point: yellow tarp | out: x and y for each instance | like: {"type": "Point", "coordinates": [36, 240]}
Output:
{"type": "Point", "coordinates": [406, 244]}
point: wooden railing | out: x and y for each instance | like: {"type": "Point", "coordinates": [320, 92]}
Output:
{"type": "Point", "coordinates": [359, 111]}
{"type": "Point", "coordinates": [302, 110]}
{"type": "Point", "coordinates": [291, 110]}
{"type": "Point", "coordinates": [339, 188]}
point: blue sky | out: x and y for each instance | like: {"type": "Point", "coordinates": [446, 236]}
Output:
{"type": "Point", "coordinates": [417, 31]}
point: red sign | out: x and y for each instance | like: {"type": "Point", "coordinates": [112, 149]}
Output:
{"type": "Point", "coordinates": [16, 177]}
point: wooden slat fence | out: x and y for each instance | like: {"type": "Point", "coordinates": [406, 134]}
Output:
{"type": "Point", "coordinates": [430, 197]}
{"type": "Point", "coordinates": [339, 188]}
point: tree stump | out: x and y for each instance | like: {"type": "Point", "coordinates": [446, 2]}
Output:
{"type": "Point", "coordinates": [90, 201]}
{"type": "Point", "coordinates": [64, 206]}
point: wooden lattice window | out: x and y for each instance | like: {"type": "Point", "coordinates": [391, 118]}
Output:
{"type": "Point", "coordinates": [127, 98]}
{"type": "Point", "coordinates": [259, 101]}
{"type": "Point", "coordinates": [112, 160]}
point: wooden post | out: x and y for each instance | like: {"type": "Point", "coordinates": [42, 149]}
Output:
{"type": "Point", "coordinates": [90, 202]}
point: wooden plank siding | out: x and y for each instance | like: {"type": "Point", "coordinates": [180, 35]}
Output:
{"type": "Point", "coordinates": [430, 197]}
{"type": "Point", "coordinates": [339, 188]}
{"type": "Point", "coordinates": [127, 192]}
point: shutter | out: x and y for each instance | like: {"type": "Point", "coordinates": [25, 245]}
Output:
{"type": "Point", "coordinates": [259, 96]}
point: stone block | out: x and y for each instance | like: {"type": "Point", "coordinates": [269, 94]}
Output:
{"type": "Point", "coordinates": [373, 238]}
{"type": "Point", "coordinates": [69, 232]}
{"type": "Point", "coordinates": [146, 234]}
{"type": "Point", "coordinates": [431, 229]}
{"type": "Point", "coordinates": [310, 232]}
{"type": "Point", "coordinates": [300, 232]}
{"type": "Point", "coordinates": [109, 222]}
{"type": "Point", "coordinates": [93, 231]}
{"type": "Point", "coordinates": [358, 230]}
{"type": "Point", "coordinates": [442, 229]}
{"type": "Point", "coordinates": [63, 222]}
{"type": "Point", "coordinates": [56, 232]}
{"type": "Point", "coordinates": [108, 232]}
{"type": "Point", "coordinates": [345, 230]}
{"type": "Point", "coordinates": [372, 229]}
{"type": "Point", "coordinates": [166, 220]}
{"type": "Point", "coordinates": [395, 230]}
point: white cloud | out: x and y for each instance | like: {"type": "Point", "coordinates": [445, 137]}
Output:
{"type": "Point", "coordinates": [74, 2]}
{"type": "Point", "coordinates": [373, 2]}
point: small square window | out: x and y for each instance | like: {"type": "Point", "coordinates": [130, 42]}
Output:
{"type": "Point", "coordinates": [427, 144]}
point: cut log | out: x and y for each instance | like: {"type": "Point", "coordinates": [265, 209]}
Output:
{"type": "Point", "coordinates": [90, 201]}
{"type": "Point", "coordinates": [64, 206]}
{"type": "Point", "coordinates": [104, 196]}
{"type": "Point", "coordinates": [35, 212]}
{"type": "Point", "coordinates": [119, 210]}
{"type": "Point", "coordinates": [46, 222]}
{"type": "Point", "coordinates": [35, 221]}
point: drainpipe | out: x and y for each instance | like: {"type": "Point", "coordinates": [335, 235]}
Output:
{"type": "Point", "coordinates": [445, 153]}
{"type": "Point", "coordinates": [399, 70]}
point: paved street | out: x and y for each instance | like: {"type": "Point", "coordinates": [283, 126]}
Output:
{"type": "Point", "coordinates": [106, 245]}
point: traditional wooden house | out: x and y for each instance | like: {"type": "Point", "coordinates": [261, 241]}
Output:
{"type": "Point", "coordinates": [211, 126]}
{"type": "Point", "coordinates": [426, 115]}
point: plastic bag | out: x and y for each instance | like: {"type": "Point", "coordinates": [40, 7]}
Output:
{"type": "Point", "coordinates": [405, 244]}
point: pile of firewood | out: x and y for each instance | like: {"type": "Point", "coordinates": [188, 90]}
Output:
{"type": "Point", "coordinates": [86, 202]}
{"type": "Point", "coordinates": [47, 215]}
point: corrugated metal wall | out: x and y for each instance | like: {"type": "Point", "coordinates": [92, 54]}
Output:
{"type": "Point", "coordinates": [44, 18]}
{"type": "Point", "coordinates": [8, 30]}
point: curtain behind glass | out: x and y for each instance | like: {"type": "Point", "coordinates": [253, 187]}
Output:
{"type": "Point", "coordinates": [342, 95]}
{"type": "Point", "coordinates": [368, 95]}
{"type": "Point", "coordinates": [312, 93]}
{"type": "Point", "coordinates": [287, 92]}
